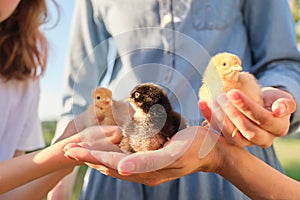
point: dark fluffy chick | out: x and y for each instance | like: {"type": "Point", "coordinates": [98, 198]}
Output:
{"type": "Point", "coordinates": [154, 121]}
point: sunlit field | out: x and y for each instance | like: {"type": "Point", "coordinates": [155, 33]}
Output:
{"type": "Point", "coordinates": [288, 152]}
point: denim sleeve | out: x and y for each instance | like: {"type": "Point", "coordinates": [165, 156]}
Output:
{"type": "Point", "coordinates": [87, 58]}
{"type": "Point", "coordinates": [274, 47]}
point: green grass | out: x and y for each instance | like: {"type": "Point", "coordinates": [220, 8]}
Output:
{"type": "Point", "coordinates": [288, 152]}
{"type": "Point", "coordinates": [48, 131]}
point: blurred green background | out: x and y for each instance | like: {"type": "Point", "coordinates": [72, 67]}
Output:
{"type": "Point", "coordinates": [288, 152]}
{"type": "Point", "coordinates": [287, 149]}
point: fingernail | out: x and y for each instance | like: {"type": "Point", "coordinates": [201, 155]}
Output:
{"type": "Point", "coordinates": [128, 167]}
{"type": "Point", "coordinates": [66, 148]}
{"type": "Point", "coordinates": [67, 155]}
{"type": "Point", "coordinates": [82, 144]}
{"type": "Point", "coordinates": [281, 109]}
{"type": "Point", "coordinates": [234, 95]}
{"type": "Point", "coordinates": [222, 99]}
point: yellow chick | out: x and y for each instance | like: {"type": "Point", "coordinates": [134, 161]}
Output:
{"type": "Point", "coordinates": [222, 74]}
{"type": "Point", "coordinates": [111, 111]}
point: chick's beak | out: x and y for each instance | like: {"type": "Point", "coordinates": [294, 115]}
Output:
{"type": "Point", "coordinates": [106, 101]}
{"type": "Point", "coordinates": [237, 68]}
{"type": "Point", "coordinates": [128, 100]}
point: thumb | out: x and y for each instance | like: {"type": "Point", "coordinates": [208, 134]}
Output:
{"type": "Point", "coordinates": [94, 157]}
{"type": "Point", "coordinates": [78, 152]}
{"type": "Point", "coordinates": [283, 107]}
{"type": "Point", "coordinates": [142, 162]}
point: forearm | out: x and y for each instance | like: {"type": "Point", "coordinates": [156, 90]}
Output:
{"type": "Point", "coordinates": [23, 169]}
{"type": "Point", "coordinates": [255, 178]}
{"type": "Point", "coordinates": [38, 188]}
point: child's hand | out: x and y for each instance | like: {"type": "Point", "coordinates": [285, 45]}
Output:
{"type": "Point", "coordinates": [92, 140]}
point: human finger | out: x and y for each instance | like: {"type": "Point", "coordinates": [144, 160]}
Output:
{"type": "Point", "coordinates": [142, 162]}
{"type": "Point", "coordinates": [205, 110]}
{"type": "Point", "coordinates": [280, 102]}
{"type": "Point", "coordinates": [283, 107]}
{"type": "Point", "coordinates": [80, 152]}
{"type": "Point", "coordinates": [77, 152]}
{"type": "Point", "coordinates": [257, 114]}
{"type": "Point", "coordinates": [101, 137]}
{"type": "Point", "coordinates": [247, 127]}
{"type": "Point", "coordinates": [219, 121]}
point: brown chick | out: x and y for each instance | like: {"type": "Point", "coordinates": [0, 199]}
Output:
{"type": "Point", "coordinates": [222, 74]}
{"type": "Point", "coordinates": [111, 111]}
{"type": "Point", "coordinates": [154, 121]}
{"type": "Point", "coordinates": [102, 99]}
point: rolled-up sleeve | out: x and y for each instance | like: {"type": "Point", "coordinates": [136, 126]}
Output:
{"type": "Point", "coordinates": [274, 47]}
{"type": "Point", "coordinates": [86, 61]}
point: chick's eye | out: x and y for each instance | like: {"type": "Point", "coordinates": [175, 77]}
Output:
{"type": "Point", "coordinates": [224, 64]}
{"type": "Point", "coordinates": [98, 97]}
{"type": "Point", "coordinates": [136, 95]}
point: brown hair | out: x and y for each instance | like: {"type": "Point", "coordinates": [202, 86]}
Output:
{"type": "Point", "coordinates": [23, 47]}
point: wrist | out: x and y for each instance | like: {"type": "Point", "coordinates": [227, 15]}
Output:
{"type": "Point", "coordinates": [54, 155]}
{"type": "Point", "coordinates": [220, 155]}
{"type": "Point", "coordinates": [224, 155]}
{"type": "Point", "coordinates": [213, 161]}
{"type": "Point", "coordinates": [67, 162]}
{"type": "Point", "coordinates": [231, 160]}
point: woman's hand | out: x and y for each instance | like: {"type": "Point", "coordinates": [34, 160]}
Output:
{"type": "Point", "coordinates": [190, 150]}
{"type": "Point", "coordinates": [257, 125]}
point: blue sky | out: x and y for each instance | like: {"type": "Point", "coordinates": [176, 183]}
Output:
{"type": "Point", "coordinates": [52, 82]}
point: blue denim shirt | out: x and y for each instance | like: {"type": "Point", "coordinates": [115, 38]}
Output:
{"type": "Point", "coordinates": [169, 43]}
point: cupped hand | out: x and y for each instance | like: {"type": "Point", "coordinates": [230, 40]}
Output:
{"type": "Point", "coordinates": [256, 125]}
{"type": "Point", "coordinates": [190, 150]}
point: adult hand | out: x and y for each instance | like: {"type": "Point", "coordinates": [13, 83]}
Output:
{"type": "Point", "coordinates": [257, 125]}
{"type": "Point", "coordinates": [190, 150]}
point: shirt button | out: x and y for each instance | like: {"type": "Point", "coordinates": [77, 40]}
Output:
{"type": "Point", "coordinates": [167, 19]}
